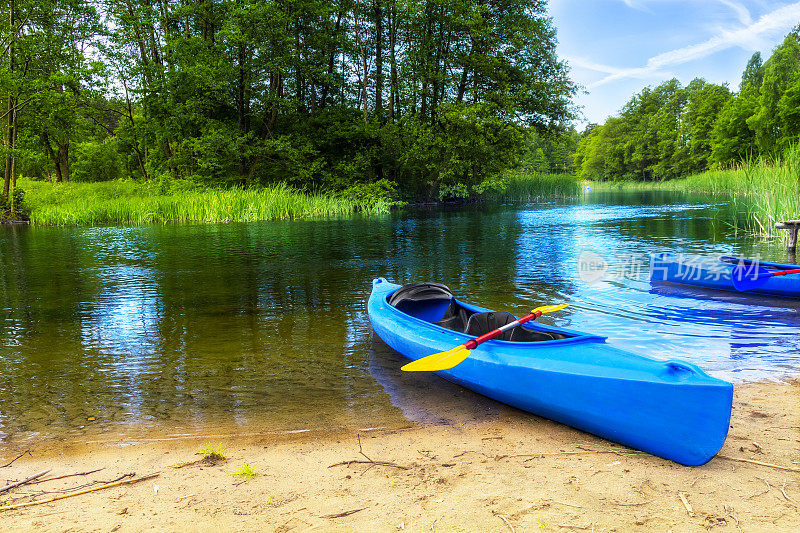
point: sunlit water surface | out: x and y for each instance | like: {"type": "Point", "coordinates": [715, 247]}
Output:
{"type": "Point", "coordinates": [261, 328]}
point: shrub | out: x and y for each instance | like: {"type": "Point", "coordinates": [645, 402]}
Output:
{"type": "Point", "coordinates": [97, 161]}
{"type": "Point", "coordinates": [14, 207]}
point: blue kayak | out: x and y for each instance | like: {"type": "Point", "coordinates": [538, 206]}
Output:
{"type": "Point", "coordinates": [671, 409]}
{"type": "Point", "coordinates": [710, 274]}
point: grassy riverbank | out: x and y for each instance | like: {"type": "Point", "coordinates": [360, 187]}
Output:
{"type": "Point", "coordinates": [128, 202]}
{"type": "Point", "coordinates": [765, 191]}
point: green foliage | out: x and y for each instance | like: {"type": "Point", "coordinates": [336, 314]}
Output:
{"type": "Point", "coordinates": [492, 187]}
{"type": "Point", "coordinates": [474, 143]}
{"type": "Point", "coordinates": [97, 161]}
{"type": "Point", "coordinates": [671, 131]}
{"type": "Point", "coordinates": [550, 152]}
{"type": "Point", "coordinates": [454, 191]}
{"type": "Point", "coordinates": [706, 102]}
{"type": "Point", "coordinates": [18, 200]}
{"type": "Point", "coordinates": [246, 471]}
{"type": "Point", "coordinates": [49, 76]}
{"type": "Point", "coordinates": [317, 95]}
{"type": "Point", "coordinates": [602, 151]}
{"type": "Point", "coordinates": [775, 123]}
{"type": "Point", "coordinates": [211, 453]}
{"type": "Point", "coordinates": [381, 192]}
{"type": "Point", "coordinates": [14, 207]}
{"type": "Point", "coordinates": [753, 73]}
{"type": "Point", "coordinates": [732, 137]}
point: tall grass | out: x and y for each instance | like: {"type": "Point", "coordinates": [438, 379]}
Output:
{"type": "Point", "coordinates": [525, 187]}
{"type": "Point", "coordinates": [768, 191]}
{"type": "Point", "coordinates": [126, 202]}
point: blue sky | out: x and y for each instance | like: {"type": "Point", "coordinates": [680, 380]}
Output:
{"type": "Point", "coordinates": [617, 47]}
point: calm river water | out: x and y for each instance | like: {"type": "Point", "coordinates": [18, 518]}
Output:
{"type": "Point", "coordinates": [261, 327]}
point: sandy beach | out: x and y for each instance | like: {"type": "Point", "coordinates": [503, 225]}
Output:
{"type": "Point", "coordinates": [516, 472]}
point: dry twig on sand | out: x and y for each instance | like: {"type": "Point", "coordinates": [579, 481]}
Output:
{"type": "Point", "coordinates": [686, 504]}
{"type": "Point", "coordinates": [68, 475]}
{"type": "Point", "coordinates": [504, 519]}
{"type": "Point", "coordinates": [77, 493]}
{"type": "Point", "coordinates": [729, 512]}
{"type": "Point", "coordinates": [648, 502]}
{"type": "Point", "coordinates": [769, 488]}
{"type": "Point", "coordinates": [85, 485]}
{"type": "Point", "coordinates": [15, 458]}
{"type": "Point", "coordinates": [623, 452]}
{"type": "Point", "coordinates": [26, 480]}
{"type": "Point", "coordinates": [369, 461]}
{"type": "Point", "coordinates": [783, 491]}
{"type": "Point", "coordinates": [375, 463]}
{"type": "Point", "coordinates": [760, 463]}
{"type": "Point", "coordinates": [345, 513]}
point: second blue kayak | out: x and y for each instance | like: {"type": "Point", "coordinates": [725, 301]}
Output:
{"type": "Point", "coordinates": [710, 274]}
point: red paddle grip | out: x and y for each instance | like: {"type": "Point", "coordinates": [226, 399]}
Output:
{"type": "Point", "coordinates": [784, 272]}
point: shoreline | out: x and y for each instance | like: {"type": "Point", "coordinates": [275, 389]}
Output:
{"type": "Point", "coordinates": [516, 472]}
{"type": "Point", "coordinates": [126, 202]}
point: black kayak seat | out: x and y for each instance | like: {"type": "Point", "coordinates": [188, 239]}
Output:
{"type": "Point", "coordinates": [434, 302]}
{"type": "Point", "coordinates": [480, 323]}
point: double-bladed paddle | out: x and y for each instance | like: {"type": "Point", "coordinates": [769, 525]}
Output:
{"type": "Point", "coordinates": [452, 357]}
{"type": "Point", "coordinates": [747, 277]}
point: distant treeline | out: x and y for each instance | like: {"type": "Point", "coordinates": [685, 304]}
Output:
{"type": "Point", "coordinates": [428, 97]}
{"type": "Point", "coordinates": [672, 131]}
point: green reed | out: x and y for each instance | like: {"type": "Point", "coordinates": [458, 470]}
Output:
{"type": "Point", "coordinates": [127, 202]}
{"type": "Point", "coordinates": [525, 187]}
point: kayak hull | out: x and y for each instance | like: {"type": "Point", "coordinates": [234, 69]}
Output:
{"type": "Point", "coordinates": [670, 268]}
{"type": "Point", "coordinates": [671, 409]}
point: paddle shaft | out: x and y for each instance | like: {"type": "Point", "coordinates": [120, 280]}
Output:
{"type": "Point", "coordinates": [473, 343]}
{"type": "Point", "coordinates": [784, 272]}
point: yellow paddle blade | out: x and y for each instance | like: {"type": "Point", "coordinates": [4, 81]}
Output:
{"type": "Point", "coordinates": [438, 361]}
{"type": "Point", "coordinates": [550, 308]}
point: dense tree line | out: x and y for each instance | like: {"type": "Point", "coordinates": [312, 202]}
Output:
{"type": "Point", "coordinates": [670, 131]}
{"type": "Point", "coordinates": [550, 154]}
{"type": "Point", "coordinates": [419, 95]}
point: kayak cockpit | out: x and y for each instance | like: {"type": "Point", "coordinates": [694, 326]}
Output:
{"type": "Point", "coordinates": [435, 303]}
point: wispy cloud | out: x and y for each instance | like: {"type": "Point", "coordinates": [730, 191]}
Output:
{"type": "Point", "coordinates": [641, 73]}
{"type": "Point", "coordinates": [742, 13]}
{"type": "Point", "coordinates": [634, 4]}
{"type": "Point", "coordinates": [748, 37]}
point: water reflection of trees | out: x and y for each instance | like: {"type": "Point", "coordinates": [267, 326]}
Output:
{"type": "Point", "coordinates": [187, 326]}
{"type": "Point", "coordinates": [47, 375]}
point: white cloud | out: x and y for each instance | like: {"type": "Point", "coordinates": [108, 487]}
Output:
{"type": "Point", "coordinates": [742, 13]}
{"type": "Point", "coordinates": [642, 73]}
{"type": "Point", "coordinates": [748, 37]}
